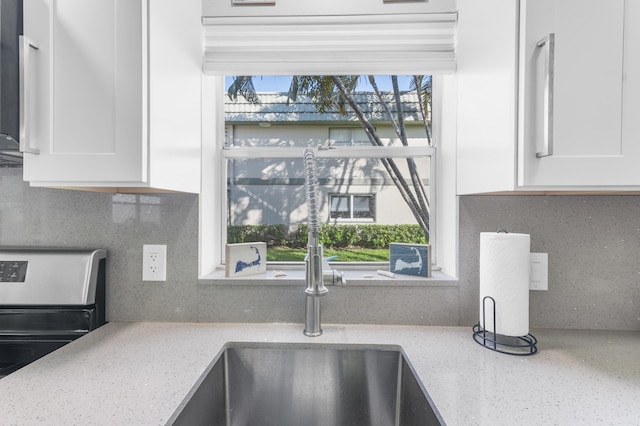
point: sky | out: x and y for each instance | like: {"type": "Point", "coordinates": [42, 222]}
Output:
{"type": "Point", "coordinates": [268, 83]}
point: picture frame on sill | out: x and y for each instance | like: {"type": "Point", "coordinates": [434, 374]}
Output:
{"type": "Point", "coordinates": [410, 259]}
{"type": "Point", "coordinates": [245, 259]}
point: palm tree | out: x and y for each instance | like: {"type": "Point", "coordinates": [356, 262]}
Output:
{"type": "Point", "coordinates": [337, 93]}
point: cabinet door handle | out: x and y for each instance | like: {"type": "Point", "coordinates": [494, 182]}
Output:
{"type": "Point", "coordinates": [25, 94]}
{"type": "Point", "coordinates": [548, 43]}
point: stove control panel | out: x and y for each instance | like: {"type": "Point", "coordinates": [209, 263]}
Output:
{"type": "Point", "coordinates": [13, 271]}
{"type": "Point", "coordinates": [50, 276]}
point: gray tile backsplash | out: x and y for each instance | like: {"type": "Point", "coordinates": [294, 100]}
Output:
{"type": "Point", "coordinates": [593, 244]}
{"type": "Point", "coordinates": [121, 223]}
{"type": "Point", "coordinates": [594, 256]}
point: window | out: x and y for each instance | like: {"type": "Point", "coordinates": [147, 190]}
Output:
{"type": "Point", "coordinates": [348, 136]}
{"type": "Point", "coordinates": [385, 162]}
{"type": "Point", "coordinates": [354, 207]}
{"type": "Point", "coordinates": [238, 45]}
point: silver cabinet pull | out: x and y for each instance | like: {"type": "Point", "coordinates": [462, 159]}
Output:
{"type": "Point", "coordinates": [548, 43]}
{"type": "Point", "coordinates": [25, 94]}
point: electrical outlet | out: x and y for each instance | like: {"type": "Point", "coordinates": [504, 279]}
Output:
{"type": "Point", "coordinates": [154, 262]}
{"type": "Point", "coordinates": [539, 271]}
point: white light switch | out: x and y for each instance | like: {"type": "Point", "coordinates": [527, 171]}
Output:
{"type": "Point", "coordinates": [539, 271]}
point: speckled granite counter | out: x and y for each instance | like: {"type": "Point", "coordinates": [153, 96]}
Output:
{"type": "Point", "coordinates": [139, 373]}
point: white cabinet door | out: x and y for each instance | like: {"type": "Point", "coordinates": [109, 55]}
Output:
{"type": "Point", "coordinates": [115, 93]}
{"type": "Point", "coordinates": [487, 80]}
{"type": "Point", "coordinates": [87, 94]}
{"type": "Point", "coordinates": [594, 73]}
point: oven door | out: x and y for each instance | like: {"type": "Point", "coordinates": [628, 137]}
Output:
{"type": "Point", "coordinates": [29, 333]}
{"type": "Point", "coordinates": [18, 351]}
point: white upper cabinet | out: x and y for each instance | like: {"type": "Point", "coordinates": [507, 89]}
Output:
{"type": "Point", "coordinates": [593, 68]}
{"type": "Point", "coordinates": [114, 91]}
{"type": "Point", "coordinates": [560, 108]}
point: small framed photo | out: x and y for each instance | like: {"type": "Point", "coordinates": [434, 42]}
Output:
{"type": "Point", "coordinates": [410, 259]}
{"type": "Point", "coordinates": [245, 259]}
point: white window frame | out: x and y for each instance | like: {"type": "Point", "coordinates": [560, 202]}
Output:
{"type": "Point", "coordinates": [362, 55]}
{"type": "Point", "coordinates": [214, 173]}
{"type": "Point", "coordinates": [212, 219]}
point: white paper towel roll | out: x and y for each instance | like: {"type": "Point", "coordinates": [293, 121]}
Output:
{"type": "Point", "coordinates": [504, 275]}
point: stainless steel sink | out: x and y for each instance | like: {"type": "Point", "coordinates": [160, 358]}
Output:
{"type": "Point", "coordinates": [287, 384]}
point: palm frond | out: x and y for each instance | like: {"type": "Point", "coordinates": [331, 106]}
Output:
{"type": "Point", "coordinates": [243, 86]}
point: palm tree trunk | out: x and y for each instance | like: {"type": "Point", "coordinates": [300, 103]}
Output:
{"type": "Point", "coordinates": [421, 194]}
{"type": "Point", "coordinates": [418, 84]}
{"type": "Point", "coordinates": [421, 215]}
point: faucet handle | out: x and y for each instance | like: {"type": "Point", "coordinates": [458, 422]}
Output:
{"type": "Point", "coordinates": [333, 277]}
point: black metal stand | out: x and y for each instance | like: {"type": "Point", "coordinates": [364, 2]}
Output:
{"type": "Point", "coordinates": [519, 345]}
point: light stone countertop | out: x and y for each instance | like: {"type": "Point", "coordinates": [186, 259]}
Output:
{"type": "Point", "coordinates": [128, 373]}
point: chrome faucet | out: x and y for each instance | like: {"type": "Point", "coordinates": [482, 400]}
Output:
{"type": "Point", "coordinates": [317, 269]}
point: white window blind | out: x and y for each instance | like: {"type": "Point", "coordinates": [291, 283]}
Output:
{"type": "Point", "coordinates": [331, 45]}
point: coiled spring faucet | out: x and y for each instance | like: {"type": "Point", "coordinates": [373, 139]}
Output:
{"type": "Point", "coordinates": [317, 270]}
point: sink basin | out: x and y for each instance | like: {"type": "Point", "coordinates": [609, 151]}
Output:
{"type": "Point", "coordinates": [289, 384]}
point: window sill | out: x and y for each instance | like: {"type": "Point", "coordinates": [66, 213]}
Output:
{"type": "Point", "coordinates": [354, 277]}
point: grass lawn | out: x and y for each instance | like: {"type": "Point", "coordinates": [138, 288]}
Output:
{"type": "Point", "coordinates": [285, 254]}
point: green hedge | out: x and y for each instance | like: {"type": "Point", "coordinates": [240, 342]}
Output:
{"type": "Point", "coordinates": [331, 236]}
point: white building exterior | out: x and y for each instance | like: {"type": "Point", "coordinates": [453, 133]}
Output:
{"type": "Point", "coordinates": [268, 191]}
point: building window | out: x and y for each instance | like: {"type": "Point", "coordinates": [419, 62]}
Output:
{"type": "Point", "coordinates": [353, 207]}
{"type": "Point", "coordinates": [348, 136]}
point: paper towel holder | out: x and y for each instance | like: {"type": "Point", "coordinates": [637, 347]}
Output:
{"type": "Point", "coordinates": [511, 345]}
